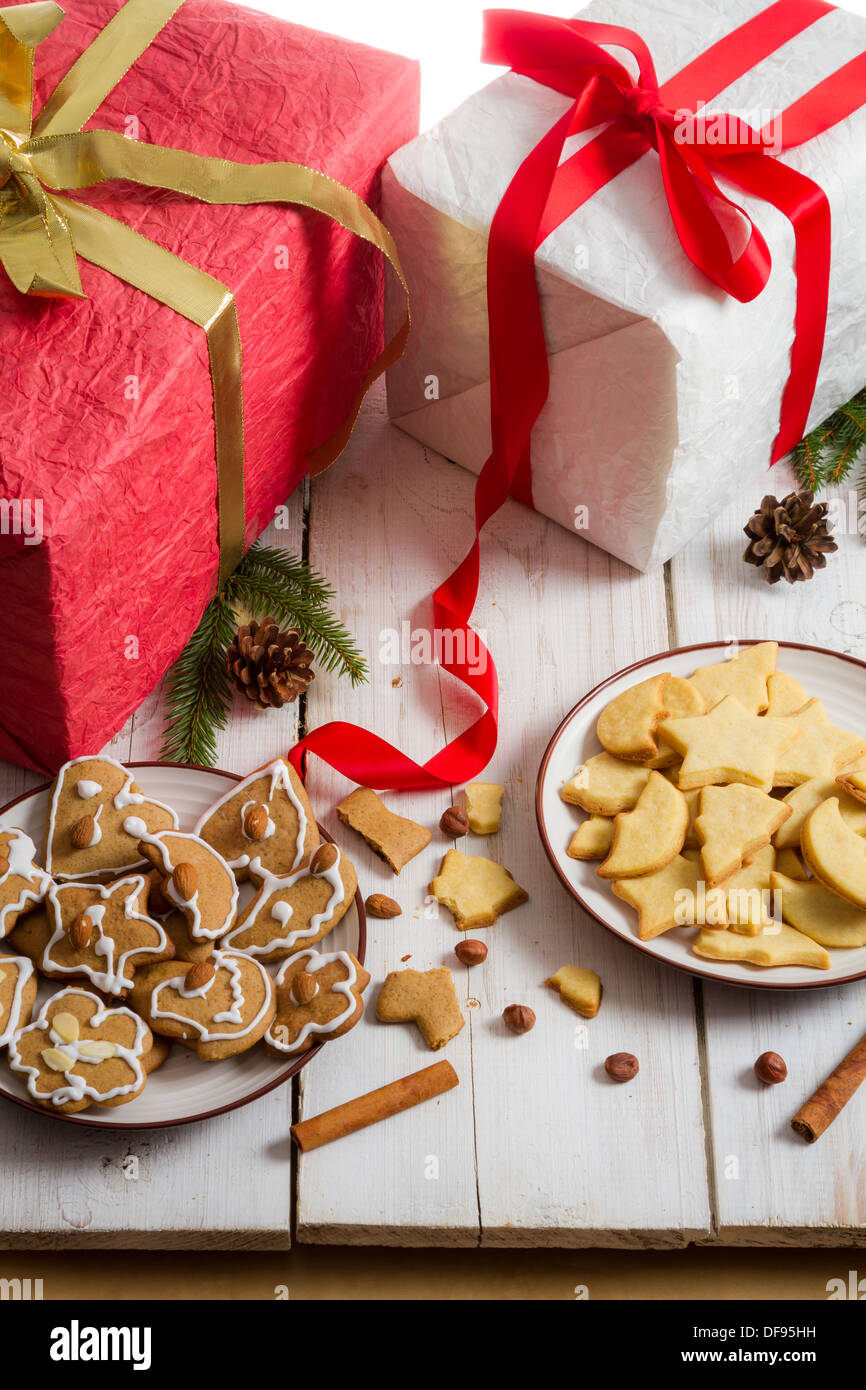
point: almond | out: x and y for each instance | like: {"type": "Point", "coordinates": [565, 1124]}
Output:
{"type": "Point", "coordinates": [199, 975]}
{"type": "Point", "coordinates": [82, 832]}
{"type": "Point", "coordinates": [256, 822]}
{"type": "Point", "coordinates": [185, 880]}
{"type": "Point", "coordinates": [81, 931]}
{"type": "Point", "coordinates": [66, 1026]}
{"type": "Point", "coordinates": [324, 858]}
{"type": "Point", "coordinates": [380, 905]}
{"type": "Point", "coordinates": [304, 987]}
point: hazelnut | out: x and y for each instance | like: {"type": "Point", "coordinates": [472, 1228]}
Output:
{"type": "Point", "coordinates": [519, 1018]}
{"type": "Point", "coordinates": [82, 832]}
{"type": "Point", "coordinates": [454, 822]}
{"type": "Point", "coordinates": [199, 974]}
{"type": "Point", "coordinates": [621, 1066]}
{"type": "Point", "coordinates": [770, 1068]}
{"type": "Point", "coordinates": [380, 905]}
{"type": "Point", "coordinates": [471, 952]}
{"type": "Point", "coordinates": [324, 858]}
{"type": "Point", "coordinates": [80, 931]}
{"type": "Point", "coordinates": [304, 987]}
{"type": "Point", "coordinates": [256, 822]}
{"type": "Point", "coordinates": [185, 880]}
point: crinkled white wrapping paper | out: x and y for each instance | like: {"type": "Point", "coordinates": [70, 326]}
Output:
{"type": "Point", "coordinates": [665, 392]}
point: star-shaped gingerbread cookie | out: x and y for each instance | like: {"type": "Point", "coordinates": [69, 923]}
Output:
{"type": "Point", "coordinates": [318, 998]}
{"type": "Point", "coordinates": [294, 911]}
{"type": "Point", "coordinates": [22, 883]}
{"type": "Point", "coordinates": [729, 745]}
{"type": "Point", "coordinates": [86, 834]}
{"type": "Point", "coordinates": [18, 986]}
{"type": "Point", "coordinates": [263, 825]}
{"type": "Point", "coordinates": [99, 932]}
{"type": "Point", "coordinates": [218, 1007]}
{"type": "Point", "coordinates": [79, 1052]}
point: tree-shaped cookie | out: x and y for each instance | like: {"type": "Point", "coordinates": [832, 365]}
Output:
{"type": "Point", "coordinates": [292, 912]}
{"type": "Point", "coordinates": [22, 883]}
{"type": "Point", "coordinates": [18, 986]}
{"type": "Point", "coordinates": [100, 933]}
{"type": "Point", "coordinates": [734, 822]}
{"type": "Point", "coordinates": [218, 1007]}
{"type": "Point", "coordinates": [86, 834]}
{"type": "Point", "coordinates": [263, 825]}
{"type": "Point", "coordinates": [318, 998]}
{"type": "Point", "coordinates": [425, 997]}
{"type": "Point", "coordinates": [79, 1051]}
{"type": "Point", "coordinates": [729, 745]}
{"type": "Point", "coordinates": [194, 879]}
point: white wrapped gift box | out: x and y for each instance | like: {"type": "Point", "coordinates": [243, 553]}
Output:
{"type": "Point", "coordinates": [664, 391]}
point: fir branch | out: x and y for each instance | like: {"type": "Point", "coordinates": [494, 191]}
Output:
{"type": "Point", "coordinates": [266, 582]}
{"type": "Point", "coordinates": [828, 453]}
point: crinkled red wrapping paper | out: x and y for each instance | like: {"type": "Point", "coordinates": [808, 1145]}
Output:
{"type": "Point", "coordinates": [96, 613]}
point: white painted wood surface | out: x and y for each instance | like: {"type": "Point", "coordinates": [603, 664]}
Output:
{"type": "Point", "coordinates": [535, 1146]}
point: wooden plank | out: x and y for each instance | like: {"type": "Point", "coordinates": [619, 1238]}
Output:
{"type": "Point", "coordinates": [772, 1188]}
{"type": "Point", "coordinates": [562, 1156]}
{"type": "Point", "coordinates": [223, 1184]}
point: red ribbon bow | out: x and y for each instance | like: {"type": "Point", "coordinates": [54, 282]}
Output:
{"type": "Point", "coordinates": [716, 234]}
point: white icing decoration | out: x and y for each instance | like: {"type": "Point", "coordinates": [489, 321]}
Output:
{"type": "Point", "coordinates": [314, 962]}
{"type": "Point", "coordinates": [134, 825]}
{"type": "Point", "coordinates": [112, 979]}
{"type": "Point", "coordinates": [281, 912]}
{"type": "Point", "coordinates": [279, 775]}
{"type": "Point", "coordinates": [97, 830]}
{"type": "Point", "coordinates": [124, 791]}
{"type": "Point", "coordinates": [20, 851]}
{"type": "Point", "coordinates": [24, 972]}
{"type": "Point", "coordinates": [87, 789]}
{"type": "Point", "coordinates": [195, 925]}
{"type": "Point", "coordinates": [77, 1088]}
{"type": "Point", "coordinates": [220, 960]}
{"type": "Point", "coordinates": [125, 798]}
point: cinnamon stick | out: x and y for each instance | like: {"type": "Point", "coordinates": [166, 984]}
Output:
{"type": "Point", "coordinates": [374, 1106]}
{"type": "Point", "coordinates": [832, 1095]}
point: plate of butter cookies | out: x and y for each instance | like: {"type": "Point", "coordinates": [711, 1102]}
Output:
{"type": "Point", "coordinates": [708, 806]}
{"type": "Point", "coordinates": [166, 947]}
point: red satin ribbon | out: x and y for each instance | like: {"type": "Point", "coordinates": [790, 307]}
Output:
{"type": "Point", "coordinates": [715, 232]}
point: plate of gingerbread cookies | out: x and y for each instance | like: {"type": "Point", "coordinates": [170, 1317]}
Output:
{"type": "Point", "coordinates": [708, 806]}
{"type": "Point", "coordinates": [167, 951]}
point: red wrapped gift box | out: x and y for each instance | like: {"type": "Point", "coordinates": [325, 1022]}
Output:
{"type": "Point", "coordinates": [108, 521]}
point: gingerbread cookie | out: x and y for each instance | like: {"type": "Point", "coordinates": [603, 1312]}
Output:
{"type": "Point", "coordinates": [218, 1007]}
{"type": "Point", "coordinates": [22, 883]}
{"type": "Point", "coordinates": [100, 933]}
{"type": "Point", "coordinates": [194, 879]}
{"type": "Point", "coordinates": [476, 891]}
{"type": "Point", "coordinates": [79, 1052]}
{"type": "Point", "coordinates": [18, 987]}
{"type": "Point", "coordinates": [318, 998]}
{"type": "Point", "coordinates": [425, 997]}
{"type": "Point", "coordinates": [394, 838]}
{"type": "Point", "coordinates": [86, 834]}
{"type": "Point", "coordinates": [295, 911]}
{"type": "Point", "coordinates": [651, 835]}
{"type": "Point", "coordinates": [263, 825]}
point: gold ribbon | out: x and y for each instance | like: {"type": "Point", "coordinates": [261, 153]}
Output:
{"type": "Point", "coordinates": [42, 232]}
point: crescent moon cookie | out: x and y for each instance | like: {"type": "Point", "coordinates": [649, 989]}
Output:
{"type": "Point", "coordinates": [23, 884]}
{"type": "Point", "coordinates": [626, 727]}
{"type": "Point", "coordinates": [263, 825]}
{"type": "Point", "coordinates": [293, 912]}
{"type": "Point", "coordinates": [80, 1052]}
{"type": "Point", "coordinates": [835, 853]}
{"type": "Point", "coordinates": [318, 998]}
{"type": "Point", "coordinates": [651, 835]}
{"type": "Point", "coordinates": [218, 1007]}
{"type": "Point", "coordinates": [194, 879]}
{"type": "Point", "coordinates": [18, 986]}
{"type": "Point", "coordinates": [100, 933]}
{"type": "Point", "coordinates": [86, 834]}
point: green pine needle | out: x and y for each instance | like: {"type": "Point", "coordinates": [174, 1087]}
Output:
{"type": "Point", "coordinates": [266, 582]}
{"type": "Point", "coordinates": [828, 454]}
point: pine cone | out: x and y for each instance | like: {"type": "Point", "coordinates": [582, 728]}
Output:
{"type": "Point", "coordinates": [790, 538]}
{"type": "Point", "coordinates": [268, 666]}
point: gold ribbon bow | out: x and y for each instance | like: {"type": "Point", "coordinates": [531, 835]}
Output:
{"type": "Point", "coordinates": [42, 232]}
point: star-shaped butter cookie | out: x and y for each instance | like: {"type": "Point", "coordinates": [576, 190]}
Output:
{"type": "Point", "coordinates": [729, 745]}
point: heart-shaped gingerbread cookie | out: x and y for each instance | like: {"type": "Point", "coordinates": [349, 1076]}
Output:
{"type": "Point", "coordinates": [91, 802]}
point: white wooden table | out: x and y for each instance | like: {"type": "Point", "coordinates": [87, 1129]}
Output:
{"type": "Point", "coordinates": [535, 1147]}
